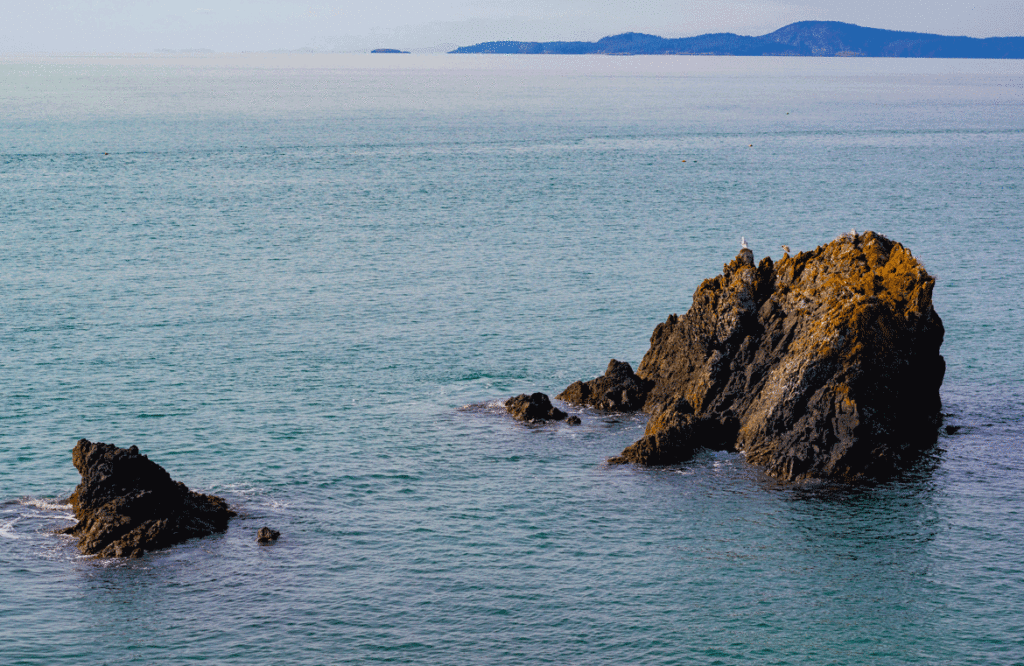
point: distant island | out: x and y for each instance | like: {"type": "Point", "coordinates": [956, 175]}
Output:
{"type": "Point", "coordinates": [387, 51]}
{"type": "Point", "coordinates": [804, 38]}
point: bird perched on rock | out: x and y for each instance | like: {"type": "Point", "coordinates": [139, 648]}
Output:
{"type": "Point", "coordinates": [746, 255]}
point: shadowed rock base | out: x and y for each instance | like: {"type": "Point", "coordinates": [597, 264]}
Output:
{"type": "Point", "coordinates": [675, 435]}
{"type": "Point", "coordinates": [126, 504]}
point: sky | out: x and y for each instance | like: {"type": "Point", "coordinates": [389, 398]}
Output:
{"type": "Point", "coordinates": [138, 26]}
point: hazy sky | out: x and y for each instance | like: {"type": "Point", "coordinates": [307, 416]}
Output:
{"type": "Point", "coordinates": [55, 26]}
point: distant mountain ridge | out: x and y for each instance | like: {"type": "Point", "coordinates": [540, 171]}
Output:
{"type": "Point", "coordinates": [804, 38]}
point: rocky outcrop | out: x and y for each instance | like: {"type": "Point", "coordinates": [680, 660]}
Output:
{"type": "Point", "coordinates": [126, 504]}
{"type": "Point", "coordinates": [534, 408]}
{"type": "Point", "coordinates": [619, 389]}
{"type": "Point", "coordinates": [823, 365]}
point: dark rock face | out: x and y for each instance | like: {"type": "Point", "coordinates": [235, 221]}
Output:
{"type": "Point", "coordinates": [126, 504]}
{"type": "Point", "coordinates": [619, 389]}
{"type": "Point", "coordinates": [573, 420]}
{"type": "Point", "coordinates": [824, 365]}
{"type": "Point", "coordinates": [267, 535]}
{"type": "Point", "coordinates": [533, 408]}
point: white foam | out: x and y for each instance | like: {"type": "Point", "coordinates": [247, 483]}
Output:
{"type": "Point", "coordinates": [47, 505]}
{"type": "Point", "coordinates": [255, 495]}
{"type": "Point", "coordinates": [490, 405]}
{"type": "Point", "coordinates": [7, 530]}
{"type": "Point", "coordinates": [240, 487]}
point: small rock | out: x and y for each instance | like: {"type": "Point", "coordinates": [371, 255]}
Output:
{"type": "Point", "coordinates": [619, 389]}
{"type": "Point", "coordinates": [267, 535]}
{"type": "Point", "coordinates": [533, 408]}
{"type": "Point", "coordinates": [573, 420]}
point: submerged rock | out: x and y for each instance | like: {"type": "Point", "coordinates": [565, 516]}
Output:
{"type": "Point", "coordinates": [533, 408]}
{"type": "Point", "coordinates": [824, 365]}
{"type": "Point", "coordinates": [126, 504]}
{"type": "Point", "coordinates": [267, 535]}
{"type": "Point", "coordinates": [619, 389]}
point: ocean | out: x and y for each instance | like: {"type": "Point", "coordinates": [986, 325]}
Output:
{"type": "Point", "coordinates": [306, 283]}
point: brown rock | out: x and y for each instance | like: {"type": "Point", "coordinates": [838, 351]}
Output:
{"type": "Point", "coordinates": [619, 389]}
{"type": "Point", "coordinates": [825, 365]}
{"type": "Point", "coordinates": [126, 504]}
{"type": "Point", "coordinates": [533, 408]}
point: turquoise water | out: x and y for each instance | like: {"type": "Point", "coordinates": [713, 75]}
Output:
{"type": "Point", "coordinates": [304, 282]}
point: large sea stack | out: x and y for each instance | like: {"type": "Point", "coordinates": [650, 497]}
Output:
{"type": "Point", "coordinates": [126, 504]}
{"type": "Point", "coordinates": [824, 365]}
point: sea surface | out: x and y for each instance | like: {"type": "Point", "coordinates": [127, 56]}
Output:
{"type": "Point", "coordinates": [306, 282]}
